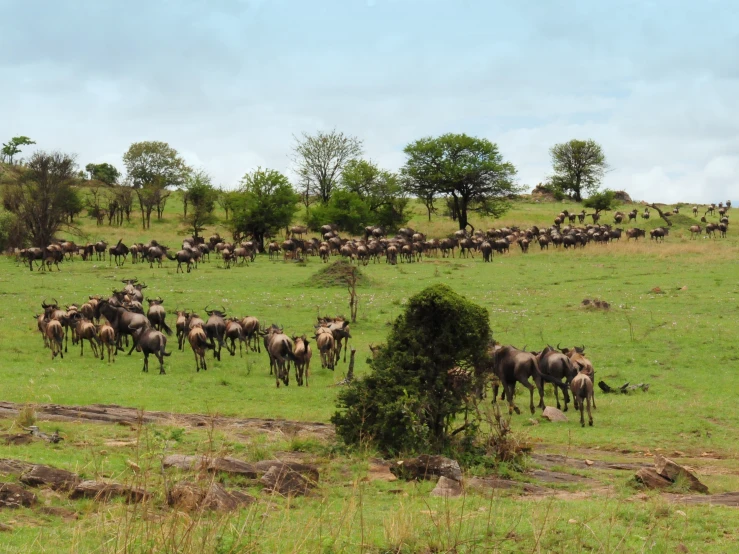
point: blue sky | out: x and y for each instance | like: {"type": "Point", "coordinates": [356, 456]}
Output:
{"type": "Point", "coordinates": [228, 83]}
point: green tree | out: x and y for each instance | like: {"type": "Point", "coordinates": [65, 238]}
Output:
{"type": "Point", "coordinates": [265, 204]}
{"type": "Point", "coordinates": [601, 201]}
{"type": "Point", "coordinates": [320, 160]}
{"type": "Point", "coordinates": [13, 147]}
{"type": "Point", "coordinates": [380, 190]}
{"type": "Point", "coordinates": [103, 172]}
{"type": "Point", "coordinates": [201, 195]}
{"type": "Point", "coordinates": [469, 170]}
{"type": "Point", "coordinates": [579, 166]}
{"type": "Point", "coordinates": [41, 195]}
{"type": "Point", "coordinates": [346, 209]}
{"type": "Point", "coordinates": [227, 200]}
{"type": "Point", "coordinates": [409, 401]}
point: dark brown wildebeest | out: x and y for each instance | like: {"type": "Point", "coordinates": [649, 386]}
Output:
{"type": "Point", "coordinates": [524, 244]}
{"type": "Point", "coordinates": [556, 365]}
{"type": "Point", "coordinates": [274, 249]}
{"type": "Point", "coordinates": [635, 234]}
{"type": "Point", "coordinates": [303, 354]}
{"type": "Point", "coordinates": [711, 229]}
{"type": "Point", "coordinates": [487, 251]}
{"type": "Point", "coordinates": [324, 252]}
{"type": "Point", "coordinates": [157, 315]}
{"type": "Point", "coordinates": [215, 328]}
{"type": "Point", "coordinates": [618, 217]}
{"type": "Point", "coordinates": [391, 255]}
{"type": "Point", "coordinates": [280, 350]}
{"type": "Point", "coordinates": [181, 257]}
{"type": "Point", "coordinates": [580, 362]}
{"type": "Point", "coordinates": [326, 345]}
{"type": "Point", "coordinates": [516, 366]}
{"type": "Point", "coordinates": [723, 227]}
{"type": "Point", "coordinates": [150, 341]}
{"type": "Point", "coordinates": [115, 253]}
{"type": "Point", "coordinates": [297, 231]}
{"type": "Point", "coordinates": [122, 321]}
{"type": "Point", "coordinates": [199, 343]}
{"type": "Point", "coordinates": [544, 242]}
{"type": "Point", "coordinates": [632, 214]}
{"type": "Point", "coordinates": [100, 248]}
{"type": "Point", "coordinates": [582, 392]}
{"type": "Point", "coordinates": [658, 233]}
{"type": "Point", "coordinates": [340, 330]}
{"type": "Point", "coordinates": [695, 231]}
{"type": "Point", "coordinates": [234, 332]}
{"type": "Point", "coordinates": [84, 330]}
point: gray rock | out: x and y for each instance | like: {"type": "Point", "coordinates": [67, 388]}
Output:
{"type": "Point", "coordinates": [427, 467]}
{"type": "Point", "coordinates": [553, 414]}
{"type": "Point", "coordinates": [15, 496]}
{"type": "Point", "coordinates": [447, 488]}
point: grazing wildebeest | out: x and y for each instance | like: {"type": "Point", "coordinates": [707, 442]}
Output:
{"type": "Point", "coordinates": [303, 354]}
{"type": "Point", "coordinates": [695, 230]}
{"type": "Point", "coordinates": [199, 343]}
{"type": "Point", "coordinates": [150, 341]}
{"type": "Point", "coordinates": [182, 257]}
{"type": "Point", "coordinates": [156, 315]}
{"type": "Point", "coordinates": [582, 392]}
{"type": "Point", "coordinates": [280, 350]}
{"type": "Point", "coordinates": [215, 328]}
{"type": "Point", "coordinates": [556, 365]}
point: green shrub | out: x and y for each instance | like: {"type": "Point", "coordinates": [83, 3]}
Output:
{"type": "Point", "coordinates": [409, 401]}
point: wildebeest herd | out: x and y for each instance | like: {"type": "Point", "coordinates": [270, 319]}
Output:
{"type": "Point", "coordinates": [407, 245]}
{"type": "Point", "coordinates": [106, 323]}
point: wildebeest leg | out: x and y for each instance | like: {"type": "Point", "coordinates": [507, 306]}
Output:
{"type": "Point", "coordinates": [160, 356]}
{"type": "Point", "coordinates": [146, 362]}
{"type": "Point", "coordinates": [525, 382]}
{"type": "Point", "coordinates": [556, 397]}
{"type": "Point", "coordinates": [495, 393]}
{"type": "Point", "coordinates": [133, 345]}
{"type": "Point", "coordinates": [590, 415]}
{"type": "Point", "coordinates": [508, 392]}
{"type": "Point", "coordinates": [582, 415]}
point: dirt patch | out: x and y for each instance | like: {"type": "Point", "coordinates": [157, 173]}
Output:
{"type": "Point", "coordinates": [111, 413]}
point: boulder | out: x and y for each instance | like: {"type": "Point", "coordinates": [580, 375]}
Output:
{"type": "Point", "coordinates": [17, 440]}
{"type": "Point", "coordinates": [427, 467]}
{"type": "Point", "coordinates": [308, 471]}
{"type": "Point", "coordinates": [553, 414]}
{"type": "Point", "coordinates": [672, 471]}
{"type": "Point", "coordinates": [15, 496]}
{"type": "Point", "coordinates": [102, 491]}
{"type": "Point", "coordinates": [379, 470]}
{"type": "Point", "coordinates": [55, 479]}
{"type": "Point", "coordinates": [197, 463]}
{"type": "Point", "coordinates": [188, 496]}
{"type": "Point", "coordinates": [447, 488]}
{"type": "Point", "coordinates": [285, 481]}
{"type": "Point", "coordinates": [651, 479]}
{"type": "Point", "coordinates": [14, 467]}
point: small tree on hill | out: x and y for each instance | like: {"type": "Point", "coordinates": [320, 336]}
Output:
{"type": "Point", "coordinates": [601, 201]}
{"type": "Point", "coordinates": [579, 166]}
{"type": "Point", "coordinates": [13, 147]}
{"type": "Point", "coordinates": [410, 399]}
{"type": "Point", "coordinates": [201, 196]}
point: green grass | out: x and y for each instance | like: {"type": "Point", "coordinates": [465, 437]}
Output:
{"type": "Point", "coordinates": [682, 342]}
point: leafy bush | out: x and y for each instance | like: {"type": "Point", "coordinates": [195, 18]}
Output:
{"type": "Point", "coordinates": [409, 401]}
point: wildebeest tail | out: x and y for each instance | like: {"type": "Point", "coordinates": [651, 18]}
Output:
{"type": "Point", "coordinates": [550, 379]}
{"type": "Point", "coordinates": [289, 351]}
{"type": "Point", "coordinates": [166, 329]}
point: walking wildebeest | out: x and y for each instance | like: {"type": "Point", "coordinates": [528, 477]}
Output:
{"type": "Point", "coordinates": [215, 328]}
{"type": "Point", "coordinates": [280, 350]}
{"type": "Point", "coordinates": [150, 341]}
{"type": "Point", "coordinates": [303, 354]}
{"type": "Point", "coordinates": [556, 365]}
{"type": "Point", "coordinates": [157, 315]}
{"type": "Point", "coordinates": [582, 392]}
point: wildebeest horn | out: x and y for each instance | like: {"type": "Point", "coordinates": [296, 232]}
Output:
{"type": "Point", "coordinates": [56, 302]}
{"type": "Point", "coordinates": [44, 305]}
{"type": "Point", "coordinates": [558, 347]}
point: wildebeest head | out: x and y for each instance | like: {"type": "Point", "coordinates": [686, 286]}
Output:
{"type": "Point", "coordinates": [155, 301]}
{"type": "Point", "coordinates": [220, 313]}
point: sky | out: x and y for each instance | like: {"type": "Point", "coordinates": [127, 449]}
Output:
{"type": "Point", "coordinates": [229, 84]}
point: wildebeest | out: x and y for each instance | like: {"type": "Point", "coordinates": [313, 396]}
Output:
{"type": "Point", "coordinates": [150, 341]}
{"type": "Point", "coordinates": [181, 327]}
{"type": "Point", "coordinates": [326, 345]}
{"type": "Point", "coordinates": [580, 362]}
{"type": "Point", "coordinates": [157, 315]}
{"type": "Point", "coordinates": [487, 251]}
{"type": "Point", "coordinates": [215, 328]}
{"type": "Point", "coordinates": [695, 230]}
{"type": "Point", "coordinates": [250, 325]}
{"type": "Point", "coordinates": [54, 336]}
{"type": "Point", "coordinates": [84, 330]}
{"type": "Point", "coordinates": [106, 333]}
{"type": "Point", "coordinates": [234, 332]}
{"type": "Point", "coordinates": [635, 234]}
{"type": "Point", "coordinates": [582, 392]}
{"type": "Point", "coordinates": [115, 253]}
{"type": "Point", "coordinates": [658, 233]}
{"type": "Point", "coordinates": [695, 211]}
{"type": "Point", "coordinates": [181, 257]}
{"type": "Point", "coordinates": [723, 227]}
{"type": "Point", "coordinates": [280, 350]}
{"type": "Point", "coordinates": [303, 354]}
{"type": "Point", "coordinates": [556, 365]}
{"type": "Point", "coordinates": [511, 366]}
{"type": "Point", "coordinates": [122, 321]}
{"type": "Point", "coordinates": [340, 329]}
{"type": "Point", "coordinates": [199, 343]}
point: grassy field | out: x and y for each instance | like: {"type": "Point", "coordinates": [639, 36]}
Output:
{"type": "Point", "coordinates": [681, 340]}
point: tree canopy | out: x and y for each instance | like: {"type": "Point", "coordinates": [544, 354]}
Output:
{"type": "Point", "coordinates": [266, 204]}
{"type": "Point", "coordinates": [601, 201]}
{"type": "Point", "coordinates": [320, 160]}
{"type": "Point", "coordinates": [13, 147]}
{"type": "Point", "coordinates": [155, 162]}
{"type": "Point", "coordinates": [409, 399]}
{"type": "Point", "coordinates": [470, 171]}
{"type": "Point", "coordinates": [579, 166]}
{"type": "Point", "coordinates": [201, 196]}
{"type": "Point", "coordinates": [42, 197]}
{"type": "Point", "coordinates": [104, 172]}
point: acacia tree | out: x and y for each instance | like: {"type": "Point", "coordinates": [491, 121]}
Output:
{"type": "Point", "coordinates": [265, 204]}
{"type": "Point", "coordinates": [41, 195]}
{"type": "Point", "coordinates": [469, 170]}
{"type": "Point", "coordinates": [201, 195]}
{"type": "Point", "coordinates": [320, 160]}
{"type": "Point", "coordinates": [579, 166]}
{"type": "Point", "coordinates": [409, 400]}
{"type": "Point", "coordinates": [601, 201]}
{"type": "Point", "coordinates": [13, 147]}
